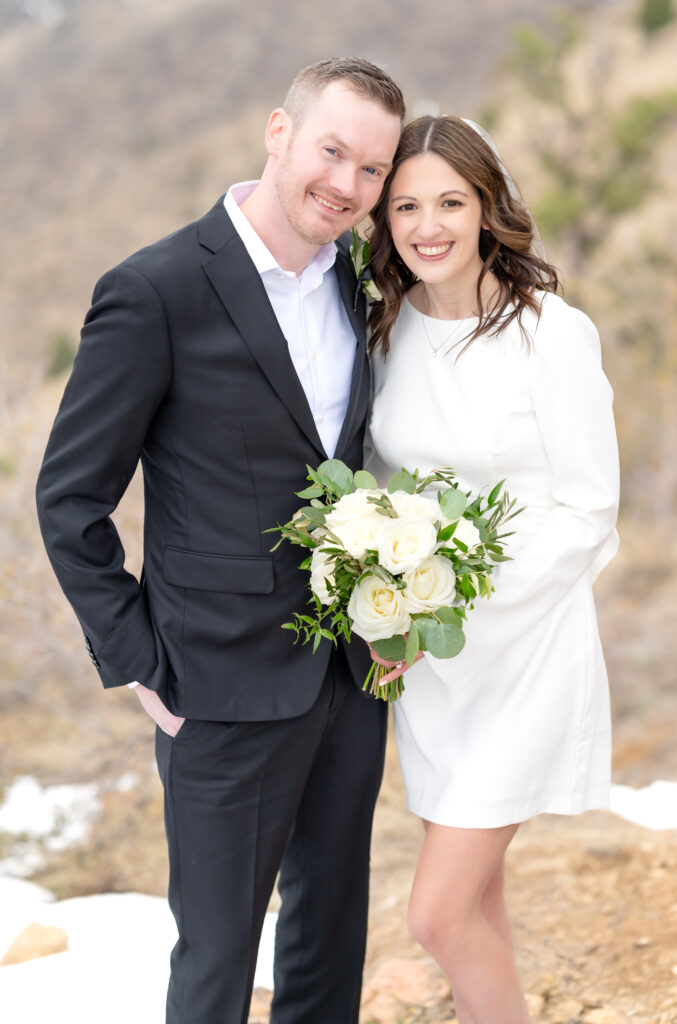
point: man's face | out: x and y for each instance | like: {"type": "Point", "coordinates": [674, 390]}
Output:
{"type": "Point", "coordinates": [331, 167]}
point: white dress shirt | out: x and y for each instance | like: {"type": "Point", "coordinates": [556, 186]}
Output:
{"type": "Point", "coordinates": [312, 318]}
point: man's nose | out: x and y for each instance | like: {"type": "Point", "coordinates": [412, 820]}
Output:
{"type": "Point", "coordinates": [342, 179]}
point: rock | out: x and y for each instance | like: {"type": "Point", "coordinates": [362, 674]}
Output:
{"type": "Point", "coordinates": [564, 1011]}
{"type": "Point", "coordinates": [34, 941]}
{"type": "Point", "coordinates": [535, 1003]}
{"type": "Point", "coordinates": [604, 1015]}
{"type": "Point", "coordinates": [398, 985]}
{"type": "Point", "coordinates": [591, 1000]}
{"type": "Point", "coordinates": [259, 1011]}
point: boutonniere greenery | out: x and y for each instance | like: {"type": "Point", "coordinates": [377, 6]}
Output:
{"type": "Point", "coordinates": [360, 253]}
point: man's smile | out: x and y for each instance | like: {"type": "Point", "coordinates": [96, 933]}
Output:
{"type": "Point", "coordinates": [327, 204]}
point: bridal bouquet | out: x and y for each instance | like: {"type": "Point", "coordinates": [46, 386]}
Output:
{"type": "Point", "coordinates": [394, 565]}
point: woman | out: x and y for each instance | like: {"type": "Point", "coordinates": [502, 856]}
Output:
{"type": "Point", "coordinates": [479, 365]}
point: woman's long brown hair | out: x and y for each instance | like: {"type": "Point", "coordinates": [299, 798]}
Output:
{"type": "Point", "coordinates": [505, 248]}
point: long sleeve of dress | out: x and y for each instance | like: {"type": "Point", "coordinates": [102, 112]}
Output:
{"type": "Point", "coordinates": [572, 404]}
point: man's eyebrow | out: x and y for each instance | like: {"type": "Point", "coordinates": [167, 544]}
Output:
{"type": "Point", "coordinates": [330, 137]}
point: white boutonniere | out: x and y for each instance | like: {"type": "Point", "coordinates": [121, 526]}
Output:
{"type": "Point", "coordinates": [360, 254]}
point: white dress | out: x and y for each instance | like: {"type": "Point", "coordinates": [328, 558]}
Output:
{"type": "Point", "coordinates": [518, 724]}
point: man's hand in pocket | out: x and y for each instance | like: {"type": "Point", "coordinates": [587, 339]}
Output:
{"type": "Point", "coordinates": [161, 715]}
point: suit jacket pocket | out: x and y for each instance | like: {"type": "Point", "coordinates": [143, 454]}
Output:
{"type": "Point", "coordinates": [225, 574]}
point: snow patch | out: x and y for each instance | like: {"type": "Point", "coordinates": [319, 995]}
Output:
{"type": "Point", "coordinates": [654, 806]}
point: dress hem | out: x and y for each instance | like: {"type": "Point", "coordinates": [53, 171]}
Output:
{"type": "Point", "coordinates": [509, 814]}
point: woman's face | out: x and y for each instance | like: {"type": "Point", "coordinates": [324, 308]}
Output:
{"type": "Point", "coordinates": [435, 218]}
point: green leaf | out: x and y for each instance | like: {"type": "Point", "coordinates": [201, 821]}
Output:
{"type": "Point", "coordinates": [314, 491]}
{"type": "Point", "coordinates": [391, 649]}
{"type": "Point", "coordinates": [336, 476]}
{"type": "Point", "coordinates": [446, 614]}
{"type": "Point", "coordinates": [412, 646]}
{"type": "Point", "coordinates": [495, 492]}
{"type": "Point", "coordinates": [364, 479]}
{"type": "Point", "coordinates": [316, 516]}
{"type": "Point", "coordinates": [441, 639]}
{"type": "Point", "coordinates": [402, 481]}
{"type": "Point", "coordinates": [453, 503]}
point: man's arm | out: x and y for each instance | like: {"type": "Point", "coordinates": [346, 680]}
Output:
{"type": "Point", "coordinates": [121, 372]}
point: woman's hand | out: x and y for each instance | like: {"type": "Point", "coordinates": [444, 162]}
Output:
{"type": "Point", "coordinates": [398, 668]}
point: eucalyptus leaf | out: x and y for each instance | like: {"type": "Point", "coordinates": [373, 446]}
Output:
{"type": "Point", "coordinates": [446, 614]}
{"type": "Point", "coordinates": [316, 516]}
{"type": "Point", "coordinates": [364, 479]}
{"type": "Point", "coordinates": [402, 481]}
{"type": "Point", "coordinates": [412, 645]}
{"type": "Point", "coordinates": [441, 639]}
{"type": "Point", "coordinates": [336, 476]}
{"type": "Point", "coordinates": [314, 491]}
{"type": "Point", "coordinates": [453, 503]}
{"type": "Point", "coordinates": [391, 649]}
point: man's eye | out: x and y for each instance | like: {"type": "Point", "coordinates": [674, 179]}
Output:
{"type": "Point", "coordinates": [372, 170]}
{"type": "Point", "coordinates": [331, 151]}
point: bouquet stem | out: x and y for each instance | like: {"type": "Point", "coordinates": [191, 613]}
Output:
{"type": "Point", "coordinates": [381, 684]}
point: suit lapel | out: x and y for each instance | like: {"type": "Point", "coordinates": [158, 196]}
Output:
{"type": "Point", "coordinates": [238, 285]}
{"type": "Point", "coordinates": [356, 410]}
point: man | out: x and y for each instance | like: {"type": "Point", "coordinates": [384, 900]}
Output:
{"type": "Point", "coordinates": [227, 357]}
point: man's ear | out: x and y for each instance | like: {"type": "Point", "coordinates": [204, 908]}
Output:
{"type": "Point", "coordinates": [278, 131]}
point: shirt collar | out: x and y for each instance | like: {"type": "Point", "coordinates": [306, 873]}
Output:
{"type": "Point", "coordinates": [261, 256]}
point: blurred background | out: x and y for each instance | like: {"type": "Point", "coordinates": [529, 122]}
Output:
{"type": "Point", "coordinates": [120, 120]}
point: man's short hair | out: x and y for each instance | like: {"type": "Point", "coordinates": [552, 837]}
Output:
{"type": "Point", "coordinates": [365, 78]}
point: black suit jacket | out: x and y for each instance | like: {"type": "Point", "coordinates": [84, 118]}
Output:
{"type": "Point", "coordinates": [183, 365]}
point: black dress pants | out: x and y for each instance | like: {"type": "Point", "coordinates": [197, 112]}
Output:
{"type": "Point", "coordinates": [244, 800]}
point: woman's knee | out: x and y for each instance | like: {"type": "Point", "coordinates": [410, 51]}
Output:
{"type": "Point", "coordinates": [437, 928]}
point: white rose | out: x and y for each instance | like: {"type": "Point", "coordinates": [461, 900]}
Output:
{"type": "Point", "coordinates": [321, 573]}
{"type": "Point", "coordinates": [416, 505]}
{"type": "Point", "coordinates": [404, 543]}
{"type": "Point", "coordinates": [432, 585]}
{"type": "Point", "coordinates": [467, 533]}
{"type": "Point", "coordinates": [360, 535]}
{"type": "Point", "coordinates": [350, 507]}
{"type": "Point", "coordinates": [377, 610]}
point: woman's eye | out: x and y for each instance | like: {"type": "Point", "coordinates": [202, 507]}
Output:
{"type": "Point", "coordinates": [405, 207]}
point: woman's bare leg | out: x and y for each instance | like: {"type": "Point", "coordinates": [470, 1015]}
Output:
{"type": "Point", "coordinates": [457, 912]}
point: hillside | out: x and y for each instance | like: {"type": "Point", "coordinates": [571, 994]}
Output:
{"type": "Point", "coordinates": [119, 121]}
